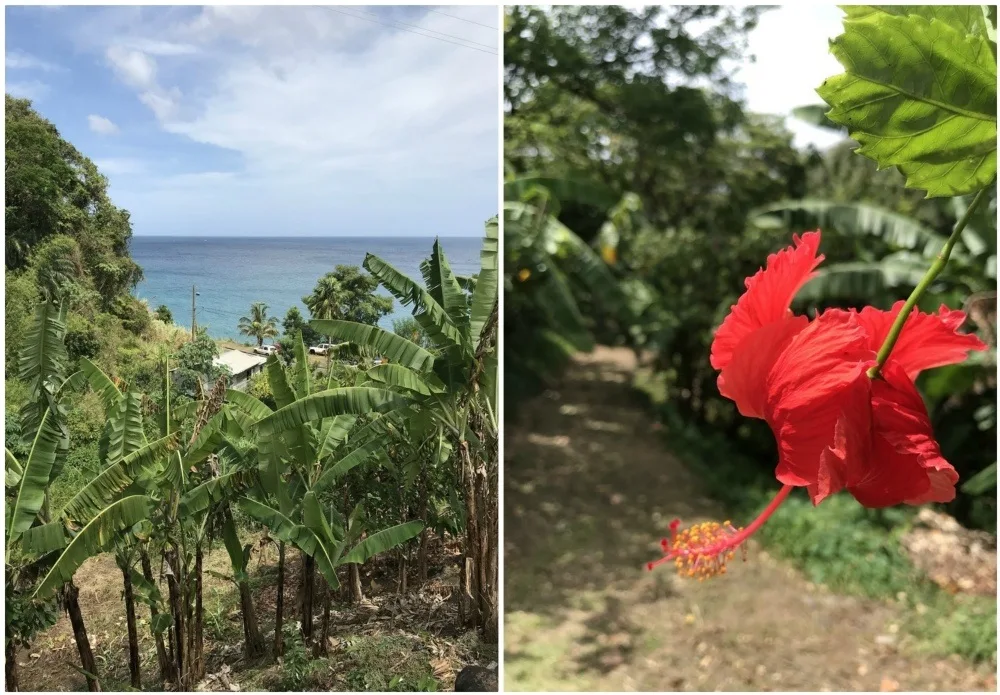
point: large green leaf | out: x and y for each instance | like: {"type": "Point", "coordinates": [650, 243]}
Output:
{"type": "Point", "coordinates": [383, 541]}
{"type": "Point", "coordinates": [125, 430]}
{"type": "Point", "coordinates": [34, 478]}
{"type": "Point", "coordinates": [283, 393]}
{"type": "Point", "coordinates": [395, 348]}
{"type": "Point", "coordinates": [351, 400]}
{"type": "Point", "coordinates": [398, 376]}
{"type": "Point", "coordinates": [333, 433]}
{"type": "Point", "coordinates": [334, 470]}
{"type": "Point", "coordinates": [227, 486]}
{"type": "Point", "coordinates": [102, 490]}
{"type": "Point", "coordinates": [300, 370]}
{"type": "Point", "coordinates": [42, 357]}
{"type": "Point", "coordinates": [44, 538]}
{"type": "Point", "coordinates": [860, 219]}
{"type": "Point", "coordinates": [484, 296]}
{"type": "Point", "coordinates": [862, 280]}
{"type": "Point", "coordinates": [431, 316]}
{"type": "Point", "coordinates": [919, 93]}
{"type": "Point", "coordinates": [105, 388]}
{"type": "Point", "coordinates": [96, 537]}
{"type": "Point", "coordinates": [303, 538]}
{"type": "Point", "coordinates": [12, 469]}
{"type": "Point", "coordinates": [248, 404]}
{"type": "Point", "coordinates": [443, 286]}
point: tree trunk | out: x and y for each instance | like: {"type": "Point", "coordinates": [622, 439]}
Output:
{"type": "Point", "coordinates": [401, 582]}
{"type": "Point", "coordinates": [487, 558]}
{"type": "Point", "coordinates": [177, 610]}
{"type": "Point", "coordinates": [320, 648]}
{"type": "Point", "coordinates": [135, 677]}
{"type": "Point", "coordinates": [356, 592]}
{"type": "Point", "coordinates": [425, 533]}
{"type": "Point", "coordinates": [199, 619]}
{"type": "Point", "coordinates": [166, 666]}
{"type": "Point", "coordinates": [10, 668]}
{"type": "Point", "coordinates": [308, 583]}
{"type": "Point", "coordinates": [280, 602]}
{"type": "Point", "coordinates": [253, 641]}
{"type": "Point", "coordinates": [469, 580]}
{"type": "Point", "coordinates": [87, 662]}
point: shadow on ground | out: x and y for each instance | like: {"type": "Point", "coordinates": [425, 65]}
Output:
{"type": "Point", "coordinates": [589, 491]}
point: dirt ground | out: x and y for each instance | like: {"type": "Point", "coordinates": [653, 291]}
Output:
{"type": "Point", "coordinates": [589, 491]}
{"type": "Point", "coordinates": [388, 635]}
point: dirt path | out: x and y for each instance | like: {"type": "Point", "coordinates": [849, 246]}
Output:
{"type": "Point", "coordinates": [589, 491]}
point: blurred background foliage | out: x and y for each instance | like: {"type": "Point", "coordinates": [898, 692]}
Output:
{"type": "Point", "coordinates": [640, 193]}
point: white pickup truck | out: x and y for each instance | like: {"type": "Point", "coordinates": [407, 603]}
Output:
{"type": "Point", "coordinates": [320, 349]}
{"type": "Point", "coordinates": [266, 350]}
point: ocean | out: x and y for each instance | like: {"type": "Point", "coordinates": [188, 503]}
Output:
{"type": "Point", "coordinates": [232, 273]}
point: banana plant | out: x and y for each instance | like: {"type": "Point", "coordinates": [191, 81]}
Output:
{"type": "Point", "coordinates": [456, 383]}
{"type": "Point", "coordinates": [295, 447]}
{"type": "Point", "coordinates": [42, 363]}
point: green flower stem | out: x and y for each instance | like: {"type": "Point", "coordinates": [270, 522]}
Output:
{"type": "Point", "coordinates": [939, 263]}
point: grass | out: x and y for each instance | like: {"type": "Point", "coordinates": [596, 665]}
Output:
{"type": "Point", "coordinates": [840, 544]}
{"type": "Point", "coordinates": [388, 664]}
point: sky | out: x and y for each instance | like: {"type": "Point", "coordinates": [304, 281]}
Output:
{"type": "Point", "coordinates": [791, 46]}
{"type": "Point", "coordinates": [274, 121]}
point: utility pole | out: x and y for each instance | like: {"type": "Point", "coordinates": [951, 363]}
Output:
{"type": "Point", "coordinates": [194, 322]}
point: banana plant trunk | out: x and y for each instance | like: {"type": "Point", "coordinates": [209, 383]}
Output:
{"type": "Point", "coordinates": [135, 676]}
{"type": "Point", "coordinates": [166, 665]}
{"type": "Point", "coordinates": [253, 640]}
{"type": "Point", "coordinates": [425, 533]}
{"type": "Point", "coordinates": [10, 668]}
{"type": "Point", "coordinates": [199, 617]}
{"type": "Point", "coordinates": [357, 593]}
{"type": "Point", "coordinates": [178, 602]}
{"type": "Point", "coordinates": [308, 587]}
{"type": "Point", "coordinates": [71, 600]}
{"type": "Point", "coordinates": [469, 579]}
{"type": "Point", "coordinates": [279, 604]}
{"type": "Point", "coordinates": [320, 647]}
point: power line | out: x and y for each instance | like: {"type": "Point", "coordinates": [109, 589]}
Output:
{"type": "Point", "coordinates": [470, 21]}
{"type": "Point", "coordinates": [375, 21]}
{"type": "Point", "coordinates": [433, 31]}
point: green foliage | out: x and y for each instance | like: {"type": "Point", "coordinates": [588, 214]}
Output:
{"type": "Point", "coordinates": [387, 664]}
{"type": "Point", "coordinates": [296, 323]}
{"type": "Point", "coordinates": [347, 294]}
{"type": "Point", "coordinates": [52, 189]}
{"type": "Point", "coordinates": [295, 666]}
{"type": "Point", "coordinates": [258, 324]}
{"type": "Point", "coordinates": [195, 363]}
{"type": "Point", "coordinates": [410, 329]}
{"type": "Point", "coordinates": [919, 93]}
{"type": "Point", "coordinates": [163, 314]}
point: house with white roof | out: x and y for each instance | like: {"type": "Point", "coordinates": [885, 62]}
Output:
{"type": "Point", "coordinates": [241, 366]}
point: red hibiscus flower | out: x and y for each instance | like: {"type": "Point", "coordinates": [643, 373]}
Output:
{"type": "Point", "coordinates": [836, 427]}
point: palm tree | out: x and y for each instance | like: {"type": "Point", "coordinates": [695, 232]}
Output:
{"type": "Point", "coordinates": [327, 299]}
{"type": "Point", "coordinates": [259, 324]}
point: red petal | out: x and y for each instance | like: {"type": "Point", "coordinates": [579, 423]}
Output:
{"type": "Point", "coordinates": [902, 423]}
{"type": "Point", "coordinates": [927, 340]}
{"type": "Point", "coordinates": [768, 296]}
{"type": "Point", "coordinates": [743, 379]}
{"type": "Point", "coordinates": [817, 395]}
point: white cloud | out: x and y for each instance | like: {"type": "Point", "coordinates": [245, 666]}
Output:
{"type": "Point", "coordinates": [19, 60]}
{"type": "Point", "coordinates": [134, 68]}
{"type": "Point", "coordinates": [112, 166]}
{"type": "Point", "coordinates": [791, 45]}
{"type": "Point", "coordinates": [159, 48]}
{"type": "Point", "coordinates": [316, 120]}
{"type": "Point", "coordinates": [101, 125]}
{"type": "Point", "coordinates": [27, 89]}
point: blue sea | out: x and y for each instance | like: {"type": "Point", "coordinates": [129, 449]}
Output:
{"type": "Point", "coordinates": [232, 273]}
